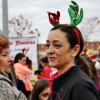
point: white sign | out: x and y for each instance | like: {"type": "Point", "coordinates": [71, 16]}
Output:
{"type": "Point", "coordinates": [28, 46]}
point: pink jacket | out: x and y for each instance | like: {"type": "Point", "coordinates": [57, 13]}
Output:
{"type": "Point", "coordinates": [22, 72]}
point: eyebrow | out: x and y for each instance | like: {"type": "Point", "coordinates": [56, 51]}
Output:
{"type": "Point", "coordinates": [54, 41]}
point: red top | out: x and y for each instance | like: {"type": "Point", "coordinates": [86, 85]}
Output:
{"type": "Point", "coordinates": [46, 73]}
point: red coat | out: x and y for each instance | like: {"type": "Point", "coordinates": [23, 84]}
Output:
{"type": "Point", "coordinates": [46, 73]}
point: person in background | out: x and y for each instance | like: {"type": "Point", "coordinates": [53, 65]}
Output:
{"type": "Point", "coordinates": [7, 89]}
{"type": "Point", "coordinates": [94, 72]}
{"type": "Point", "coordinates": [46, 69]}
{"type": "Point", "coordinates": [41, 90]}
{"type": "Point", "coordinates": [95, 76]}
{"type": "Point", "coordinates": [22, 71]}
{"type": "Point", "coordinates": [64, 45]}
{"type": "Point", "coordinates": [40, 68]}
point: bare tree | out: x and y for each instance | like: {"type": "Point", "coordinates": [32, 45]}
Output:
{"type": "Point", "coordinates": [20, 27]}
{"type": "Point", "coordinates": [90, 26]}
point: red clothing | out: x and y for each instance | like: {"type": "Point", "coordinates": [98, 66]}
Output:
{"type": "Point", "coordinates": [46, 73]}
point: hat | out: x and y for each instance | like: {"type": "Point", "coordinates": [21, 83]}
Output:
{"type": "Point", "coordinates": [93, 57]}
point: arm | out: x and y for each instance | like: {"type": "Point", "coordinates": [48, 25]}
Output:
{"type": "Point", "coordinates": [22, 69]}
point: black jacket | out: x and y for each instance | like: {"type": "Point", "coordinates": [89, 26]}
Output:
{"type": "Point", "coordinates": [73, 85]}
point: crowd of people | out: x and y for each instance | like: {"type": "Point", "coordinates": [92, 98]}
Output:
{"type": "Point", "coordinates": [66, 73]}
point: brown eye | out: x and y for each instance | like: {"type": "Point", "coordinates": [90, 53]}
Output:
{"type": "Point", "coordinates": [4, 54]}
{"type": "Point", "coordinates": [45, 94]}
{"type": "Point", "coordinates": [47, 46]}
{"type": "Point", "coordinates": [57, 46]}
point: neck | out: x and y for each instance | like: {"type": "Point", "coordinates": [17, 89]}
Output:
{"type": "Point", "coordinates": [63, 69]}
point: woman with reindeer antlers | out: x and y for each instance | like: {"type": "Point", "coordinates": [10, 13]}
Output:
{"type": "Point", "coordinates": [63, 47]}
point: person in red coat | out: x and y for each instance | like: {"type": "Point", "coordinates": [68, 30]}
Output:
{"type": "Point", "coordinates": [46, 69]}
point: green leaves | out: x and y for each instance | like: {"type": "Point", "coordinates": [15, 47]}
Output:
{"type": "Point", "coordinates": [73, 13]}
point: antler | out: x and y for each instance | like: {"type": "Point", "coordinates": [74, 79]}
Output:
{"type": "Point", "coordinates": [74, 16]}
{"type": "Point", "coordinates": [54, 18]}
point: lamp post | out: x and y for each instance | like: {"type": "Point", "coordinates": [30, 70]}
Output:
{"type": "Point", "coordinates": [5, 17]}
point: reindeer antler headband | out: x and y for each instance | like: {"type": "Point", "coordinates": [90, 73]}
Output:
{"type": "Point", "coordinates": [74, 16]}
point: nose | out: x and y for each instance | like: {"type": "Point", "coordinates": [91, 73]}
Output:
{"type": "Point", "coordinates": [9, 58]}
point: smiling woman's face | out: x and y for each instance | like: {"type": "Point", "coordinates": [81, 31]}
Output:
{"type": "Point", "coordinates": [44, 94]}
{"type": "Point", "coordinates": [58, 49]}
{"type": "Point", "coordinates": [5, 60]}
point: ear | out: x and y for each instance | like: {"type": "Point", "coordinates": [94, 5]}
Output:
{"type": "Point", "coordinates": [18, 60]}
{"type": "Point", "coordinates": [75, 50]}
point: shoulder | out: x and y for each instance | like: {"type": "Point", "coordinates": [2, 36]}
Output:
{"type": "Point", "coordinates": [5, 81]}
{"type": "Point", "coordinates": [85, 90]}
{"type": "Point", "coordinates": [17, 64]}
{"type": "Point", "coordinates": [80, 76]}
{"type": "Point", "coordinates": [48, 68]}
{"type": "Point", "coordinates": [84, 84]}
{"type": "Point", "coordinates": [10, 92]}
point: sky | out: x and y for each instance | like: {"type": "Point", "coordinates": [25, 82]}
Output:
{"type": "Point", "coordinates": [36, 12]}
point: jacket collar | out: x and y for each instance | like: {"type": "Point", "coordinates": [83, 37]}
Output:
{"type": "Point", "coordinates": [4, 77]}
